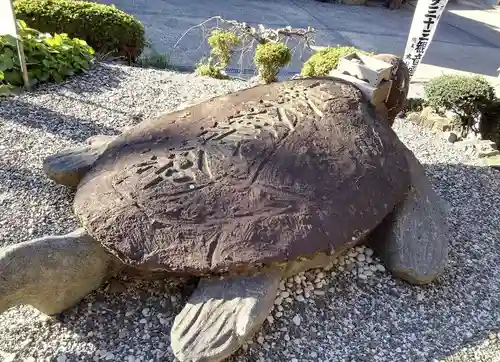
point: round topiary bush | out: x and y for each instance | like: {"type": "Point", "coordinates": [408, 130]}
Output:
{"type": "Point", "coordinates": [49, 57]}
{"type": "Point", "coordinates": [324, 60]}
{"type": "Point", "coordinates": [104, 27]}
{"type": "Point", "coordinates": [467, 96]}
{"type": "Point", "coordinates": [222, 42]}
{"type": "Point", "coordinates": [270, 58]}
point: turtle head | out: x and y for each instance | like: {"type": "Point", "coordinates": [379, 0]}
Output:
{"type": "Point", "coordinates": [69, 166]}
{"type": "Point", "coordinates": [388, 96]}
{"type": "Point", "coordinates": [398, 92]}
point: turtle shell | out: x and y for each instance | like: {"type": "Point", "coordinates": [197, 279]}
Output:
{"type": "Point", "coordinates": [263, 175]}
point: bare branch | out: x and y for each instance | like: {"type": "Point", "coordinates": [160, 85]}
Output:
{"type": "Point", "coordinates": [261, 34]}
{"type": "Point", "coordinates": [297, 39]}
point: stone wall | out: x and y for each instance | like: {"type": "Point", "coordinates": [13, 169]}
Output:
{"type": "Point", "coordinates": [484, 151]}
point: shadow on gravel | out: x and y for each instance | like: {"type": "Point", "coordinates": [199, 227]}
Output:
{"type": "Point", "coordinates": [66, 126]}
{"type": "Point", "coordinates": [26, 180]}
{"type": "Point", "coordinates": [31, 205]}
{"type": "Point", "coordinates": [469, 292]}
{"type": "Point", "coordinates": [92, 103]}
{"type": "Point", "coordinates": [109, 75]}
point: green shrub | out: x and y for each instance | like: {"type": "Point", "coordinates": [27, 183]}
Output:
{"type": "Point", "coordinates": [270, 58]}
{"type": "Point", "coordinates": [105, 28]}
{"type": "Point", "coordinates": [48, 57]}
{"type": "Point", "coordinates": [467, 96]}
{"type": "Point", "coordinates": [324, 60]}
{"type": "Point", "coordinates": [222, 42]}
{"type": "Point", "coordinates": [210, 70]}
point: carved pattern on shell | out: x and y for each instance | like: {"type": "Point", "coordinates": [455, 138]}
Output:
{"type": "Point", "coordinates": [189, 166]}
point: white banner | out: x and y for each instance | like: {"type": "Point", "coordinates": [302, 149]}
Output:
{"type": "Point", "coordinates": [7, 19]}
{"type": "Point", "coordinates": [424, 24]}
{"type": "Point", "coordinates": [8, 27]}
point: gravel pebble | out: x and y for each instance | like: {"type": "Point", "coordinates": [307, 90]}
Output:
{"type": "Point", "coordinates": [350, 311]}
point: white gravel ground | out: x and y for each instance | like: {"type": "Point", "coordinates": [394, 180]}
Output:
{"type": "Point", "coordinates": [340, 314]}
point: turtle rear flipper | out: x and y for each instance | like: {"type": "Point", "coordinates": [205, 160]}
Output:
{"type": "Point", "coordinates": [221, 315]}
{"type": "Point", "coordinates": [52, 273]}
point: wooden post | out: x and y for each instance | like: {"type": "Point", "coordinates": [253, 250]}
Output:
{"type": "Point", "coordinates": [22, 62]}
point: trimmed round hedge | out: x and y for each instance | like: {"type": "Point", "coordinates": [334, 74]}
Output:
{"type": "Point", "coordinates": [104, 27]}
{"type": "Point", "coordinates": [270, 58]}
{"type": "Point", "coordinates": [467, 96]}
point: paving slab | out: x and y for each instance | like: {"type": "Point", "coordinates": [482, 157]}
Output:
{"type": "Point", "coordinates": [467, 38]}
{"type": "Point", "coordinates": [469, 58]}
{"type": "Point", "coordinates": [483, 23]}
{"type": "Point", "coordinates": [272, 13]}
{"type": "Point", "coordinates": [379, 21]}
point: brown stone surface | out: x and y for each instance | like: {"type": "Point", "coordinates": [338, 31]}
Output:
{"type": "Point", "coordinates": [262, 175]}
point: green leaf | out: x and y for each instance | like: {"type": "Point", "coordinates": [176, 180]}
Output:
{"type": "Point", "coordinates": [44, 76]}
{"type": "Point", "coordinates": [8, 53]}
{"type": "Point", "coordinates": [57, 77]}
{"type": "Point", "coordinates": [6, 90]}
{"type": "Point", "coordinates": [6, 62]}
{"type": "Point", "coordinates": [13, 77]}
{"type": "Point", "coordinates": [84, 64]}
{"type": "Point", "coordinates": [33, 81]}
{"type": "Point", "coordinates": [99, 25]}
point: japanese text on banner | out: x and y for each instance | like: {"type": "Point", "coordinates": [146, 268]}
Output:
{"type": "Point", "coordinates": [423, 27]}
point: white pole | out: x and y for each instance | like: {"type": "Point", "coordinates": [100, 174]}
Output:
{"type": "Point", "coordinates": [422, 30]}
{"type": "Point", "coordinates": [8, 27]}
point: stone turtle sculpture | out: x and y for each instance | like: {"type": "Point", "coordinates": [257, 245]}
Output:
{"type": "Point", "coordinates": [396, 99]}
{"type": "Point", "coordinates": [241, 191]}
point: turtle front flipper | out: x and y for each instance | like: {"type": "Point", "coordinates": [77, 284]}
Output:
{"type": "Point", "coordinates": [53, 273]}
{"type": "Point", "coordinates": [69, 166]}
{"type": "Point", "coordinates": [413, 240]}
{"type": "Point", "coordinates": [221, 314]}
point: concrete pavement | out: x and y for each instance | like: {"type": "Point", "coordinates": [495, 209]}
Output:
{"type": "Point", "coordinates": [467, 38]}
